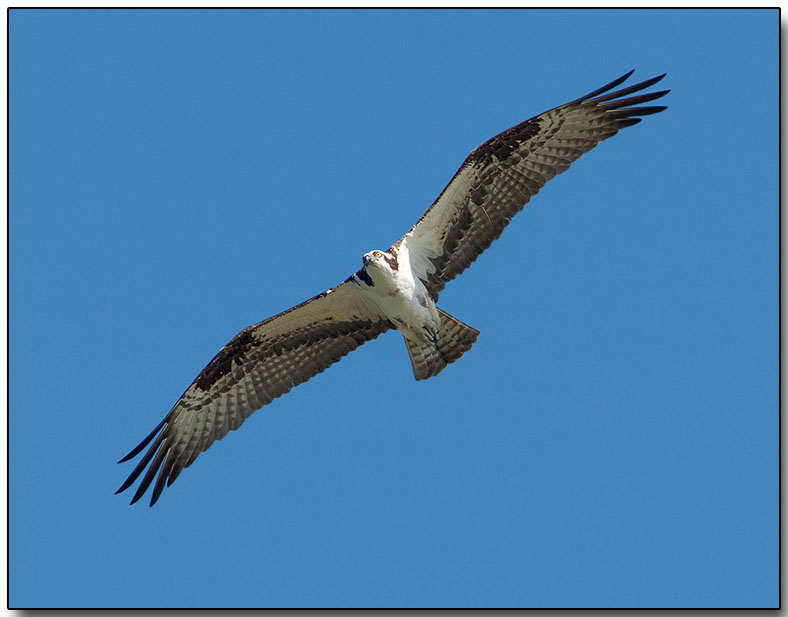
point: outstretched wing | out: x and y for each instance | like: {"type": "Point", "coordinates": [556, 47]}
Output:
{"type": "Point", "coordinates": [262, 362]}
{"type": "Point", "coordinates": [499, 177]}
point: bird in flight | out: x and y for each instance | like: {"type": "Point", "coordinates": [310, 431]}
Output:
{"type": "Point", "coordinates": [395, 289]}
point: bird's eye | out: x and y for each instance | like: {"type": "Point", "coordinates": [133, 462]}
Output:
{"type": "Point", "coordinates": [378, 254]}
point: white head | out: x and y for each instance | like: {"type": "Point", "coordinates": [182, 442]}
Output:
{"type": "Point", "coordinates": [373, 258]}
{"type": "Point", "coordinates": [381, 265]}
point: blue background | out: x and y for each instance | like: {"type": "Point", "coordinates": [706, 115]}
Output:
{"type": "Point", "coordinates": [612, 438]}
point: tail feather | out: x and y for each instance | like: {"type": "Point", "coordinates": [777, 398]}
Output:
{"type": "Point", "coordinates": [454, 339]}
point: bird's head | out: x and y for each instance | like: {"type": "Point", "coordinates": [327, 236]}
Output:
{"type": "Point", "coordinates": [386, 260]}
{"type": "Point", "coordinates": [381, 265]}
{"type": "Point", "coordinates": [373, 258]}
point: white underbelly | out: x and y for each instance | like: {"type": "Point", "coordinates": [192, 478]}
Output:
{"type": "Point", "coordinates": [416, 317]}
{"type": "Point", "coordinates": [402, 297]}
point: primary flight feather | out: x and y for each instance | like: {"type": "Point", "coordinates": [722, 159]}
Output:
{"type": "Point", "coordinates": [394, 289]}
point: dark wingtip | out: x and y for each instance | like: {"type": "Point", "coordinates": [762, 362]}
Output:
{"type": "Point", "coordinates": [145, 441]}
{"type": "Point", "coordinates": [137, 495]}
{"type": "Point", "coordinates": [605, 88]}
{"type": "Point", "coordinates": [129, 481]}
{"type": "Point", "coordinates": [654, 109]}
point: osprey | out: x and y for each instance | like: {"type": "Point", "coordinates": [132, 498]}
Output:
{"type": "Point", "coordinates": [395, 289]}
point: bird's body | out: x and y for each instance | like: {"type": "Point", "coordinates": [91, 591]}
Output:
{"type": "Point", "coordinates": [400, 295]}
{"type": "Point", "coordinates": [395, 289]}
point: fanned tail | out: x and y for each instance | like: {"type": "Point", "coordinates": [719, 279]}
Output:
{"type": "Point", "coordinates": [454, 339]}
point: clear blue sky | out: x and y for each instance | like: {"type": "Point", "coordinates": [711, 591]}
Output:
{"type": "Point", "coordinates": [612, 438]}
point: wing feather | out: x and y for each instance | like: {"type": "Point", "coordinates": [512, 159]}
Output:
{"type": "Point", "coordinates": [499, 177]}
{"type": "Point", "coordinates": [261, 363]}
